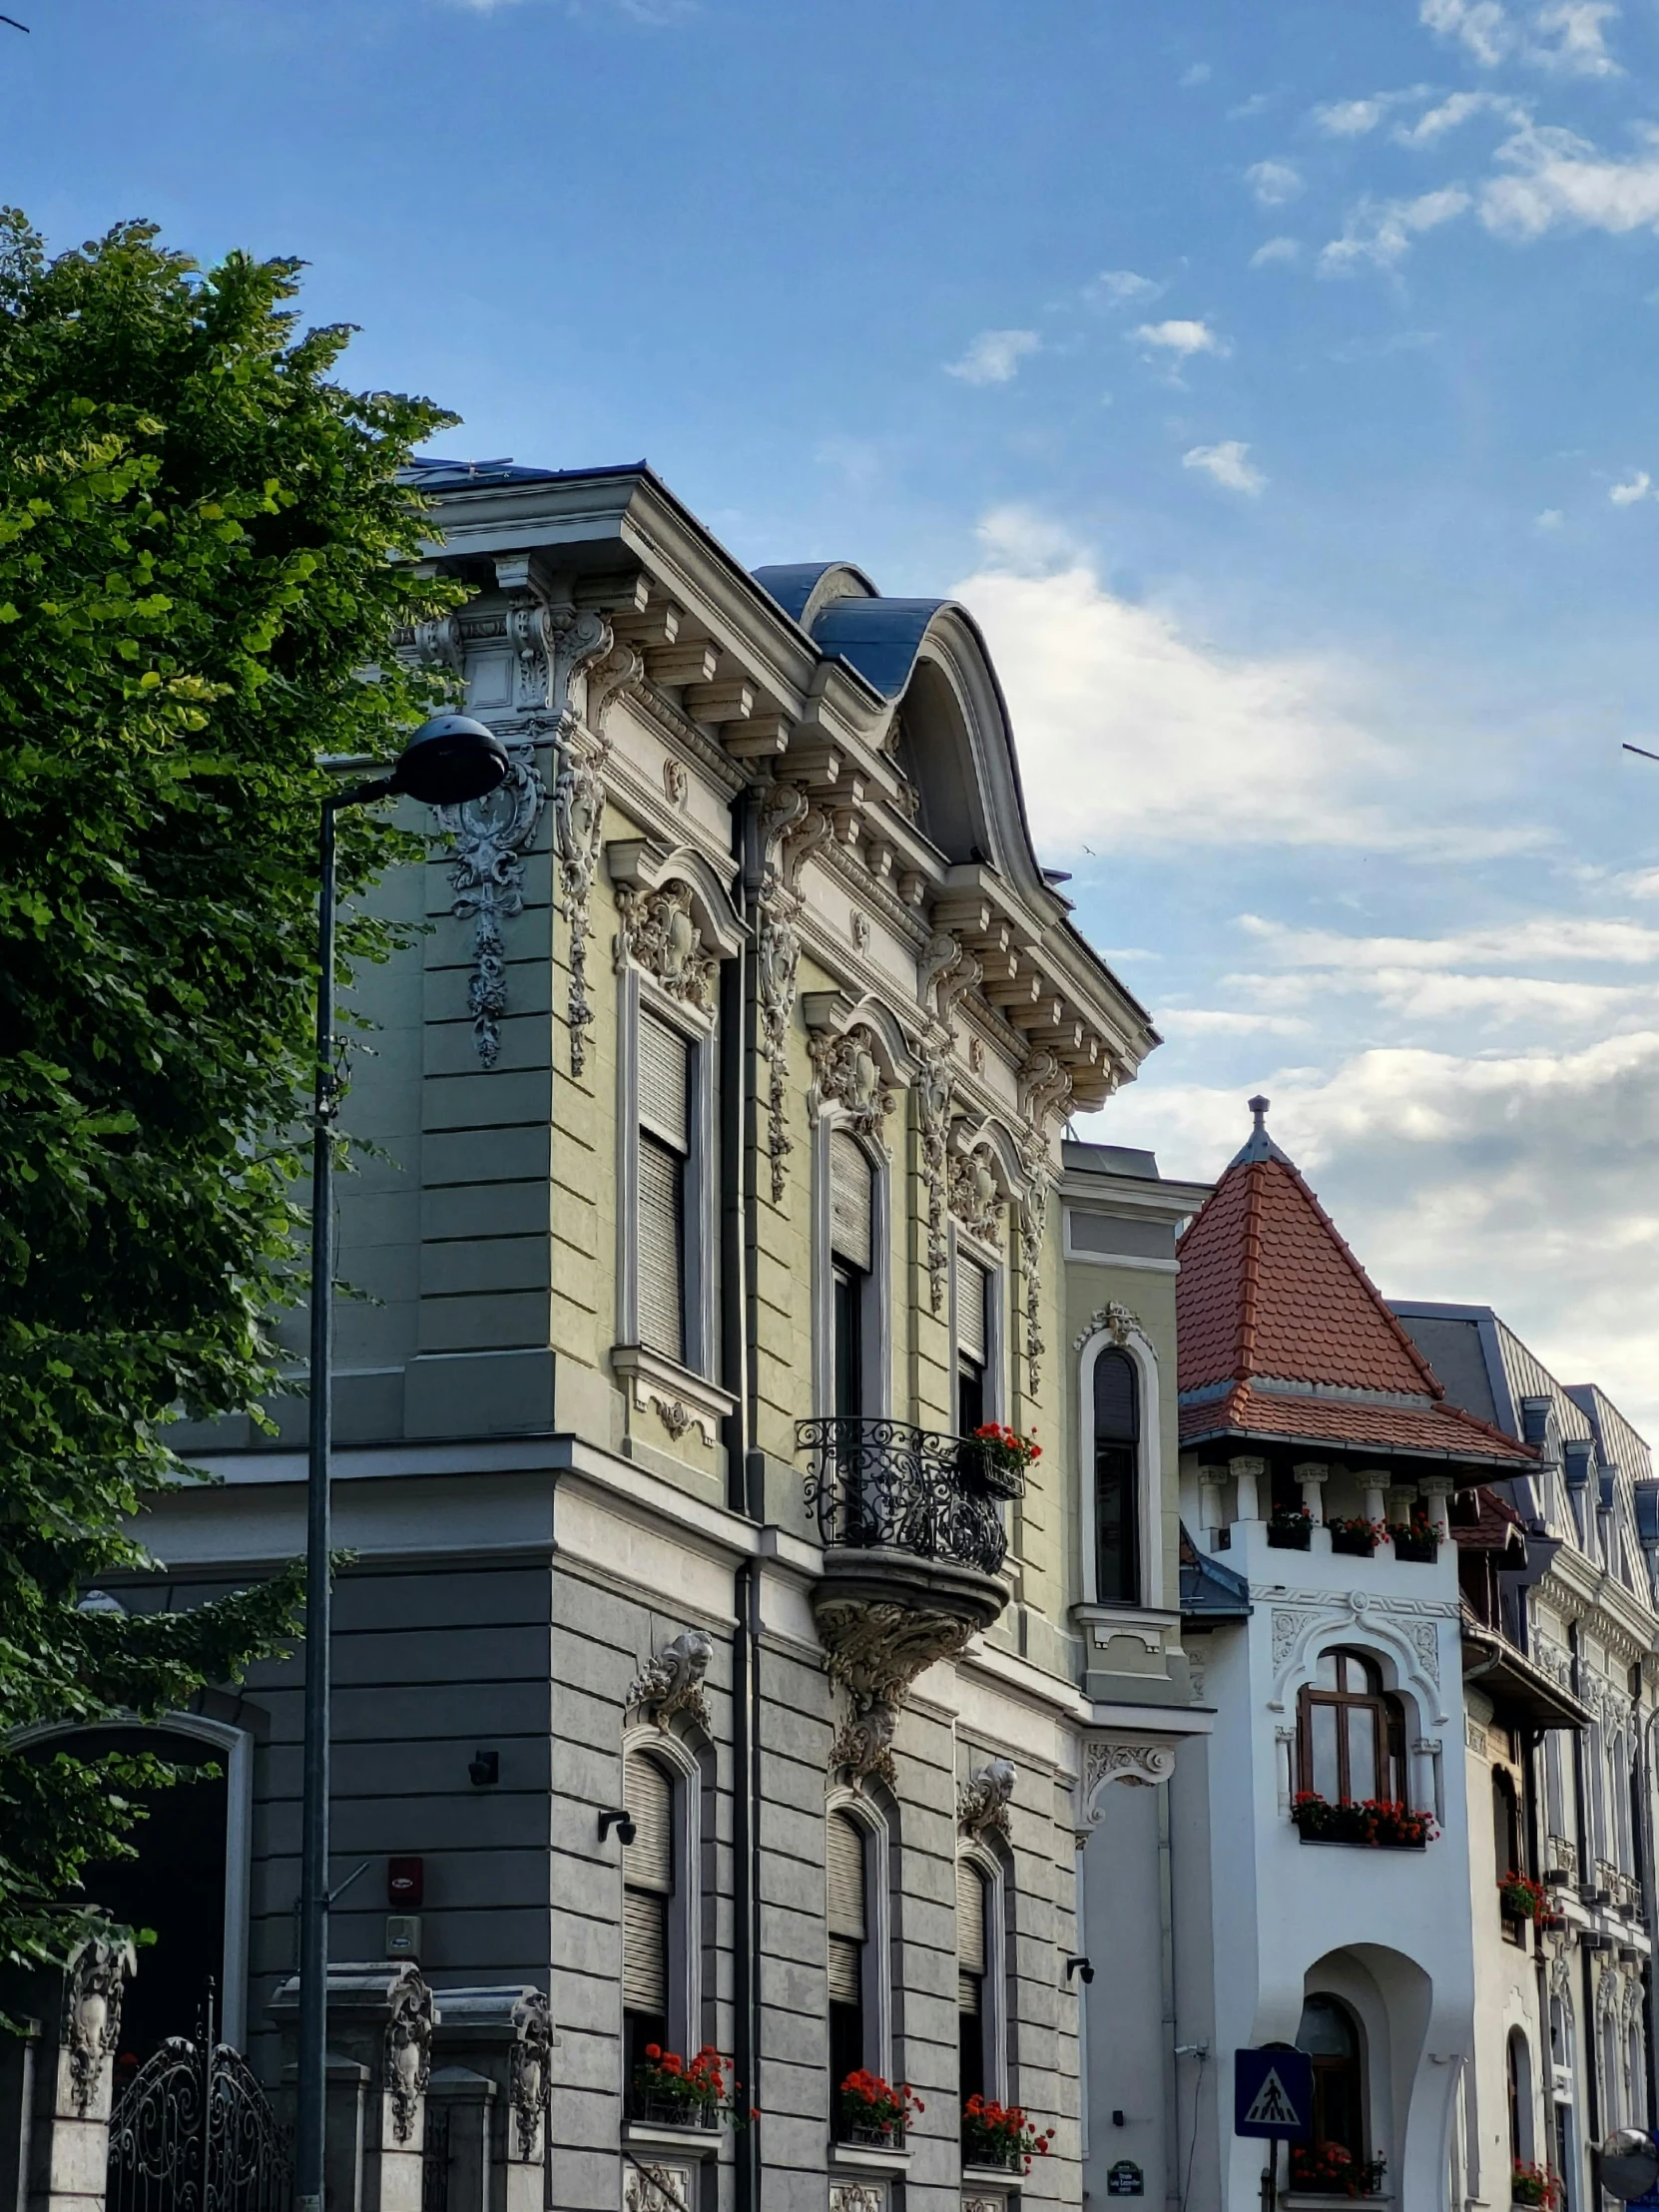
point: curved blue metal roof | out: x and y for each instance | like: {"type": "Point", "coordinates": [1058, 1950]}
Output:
{"type": "Point", "coordinates": [791, 583]}
{"type": "Point", "coordinates": [881, 637]}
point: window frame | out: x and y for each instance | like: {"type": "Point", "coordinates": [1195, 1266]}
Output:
{"type": "Point", "coordinates": [1392, 1734]}
{"type": "Point", "coordinates": [683, 2013]}
{"type": "Point", "coordinates": [995, 2012]}
{"type": "Point", "coordinates": [1149, 1518]}
{"type": "Point", "coordinates": [875, 1965]}
{"type": "Point", "coordinates": [1323, 2066]}
{"type": "Point", "coordinates": [875, 1290]}
{"type": "Point", "coordinates": [698, 1257]}
{"type": "Point", "coordinates": [995, 1371]}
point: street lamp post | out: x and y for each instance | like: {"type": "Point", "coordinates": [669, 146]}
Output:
{"type": "Point", "coordinates": [449, 760]}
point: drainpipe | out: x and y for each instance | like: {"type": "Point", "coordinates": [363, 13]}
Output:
{"type": "Point", "coordinates": [743, 1488]}
{"type": "Point", "coordinates": [1650, 1908]}
{"type": "Point", "coordinates": [1589, 2042]}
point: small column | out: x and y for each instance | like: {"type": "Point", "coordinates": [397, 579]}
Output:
{"type": "Point", "coordinates": [1373, 1484]}
{"type": "Point", "coordinates": [1249, 1473]}
{"type": "Point", "coordinates": [1212, 1504]}
{"type": "Point", "coordinates": [1401, 1497]}
{"type": "Point", "coordinates": [1437, 1489]}
{"type": "Point", "coordinates": [1313, 1475]}
{"type": "Point", "coordinates": [69, 2140]}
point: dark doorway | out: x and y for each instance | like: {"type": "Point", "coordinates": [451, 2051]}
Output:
{"type": "Point", "coordinates": [175, 1887]}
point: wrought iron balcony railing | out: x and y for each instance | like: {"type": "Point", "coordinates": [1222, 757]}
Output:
{"type": "Point", "coordinates": [881, 1485]}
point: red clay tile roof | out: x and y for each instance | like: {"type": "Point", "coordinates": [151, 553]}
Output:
{"type": "Point", "coordinates": [1267, 1288]}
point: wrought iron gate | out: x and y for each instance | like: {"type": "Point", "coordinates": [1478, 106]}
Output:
{"type": "Point", "coordinates": [193, 2131]}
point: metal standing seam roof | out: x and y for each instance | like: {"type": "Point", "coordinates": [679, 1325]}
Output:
{"type": "Point", "coordinates": [1282, 1336]}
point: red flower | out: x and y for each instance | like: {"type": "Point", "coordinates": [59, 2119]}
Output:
{"type": "Point", "coordinates": [653, 2051]}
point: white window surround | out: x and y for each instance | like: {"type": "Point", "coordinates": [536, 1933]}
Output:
{"type": "Point", "coordinates": [236, 1747]}
{"type": "Point", "coordinates": [1375, 1640]}
{"type": "Point", "coordinates": [996, 1264]}
{"type": "Point", "coordinates": [878, 1980]}
{"type": "Point", "coordinates": [993, 1991]}
{"type": "Point", "coordinates": [685, 1917]}
{"type": "Point", "coordinates": [877, 1289]}
{"type": "Point", "coordinates": [1149, 1481]}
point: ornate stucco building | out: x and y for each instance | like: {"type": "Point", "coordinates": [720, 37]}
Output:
{"type": "Point", "coordinates": [689, 1666]}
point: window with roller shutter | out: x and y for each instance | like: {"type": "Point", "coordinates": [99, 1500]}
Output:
{"type": "Point", "coordinates": [663, 1149]}
{"type": "Point", "coordinates": [648, 1889]}
{"type": "Point", "coordinates": [852, 1201]}
{"type": "Point", "coordinates": [974, 2022]}
{"type": "Point", "coordinates": [971, 1286]}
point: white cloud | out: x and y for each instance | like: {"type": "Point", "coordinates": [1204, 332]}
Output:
{"type": "Point", "coordinates": [1434, 124]}
{"type": "Point", "coordinates": [1275, 250]}
{"type": "Point", "coordinates": [1561, 179]}
{"type": "Point", "coordinates": [1199, 74]}
{"type": "Point", "coordinates": [1116, 288]}
{"type": "Point", "coordinates": [1636, 487]}
{"type": "Point", "coordinates": [1273, 183]}
{"type": "Point", "coordinates": [1183, 338]}
{"type": "Point", "coordinates": [1538, 940]}
{"type": "Point", "coordinates": [1131, 730]}
{"type": "Point", "coordinates": [1382, 232]}
{"type": "Point", "coordinates": [1218, 1021]}
{"type": "Point", "coordinates": [994, 356]}
{"type": "Point", "coordinates": [1567, 37]}
{"type": "Point", "coordinates": [1551, 518]}
{"type": "Point", "coordinates": [1228, 463]}
{"type": "Point", "coordinates": [1358, 118]}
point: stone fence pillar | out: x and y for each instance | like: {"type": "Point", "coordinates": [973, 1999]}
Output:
{"type": "Point", "coordinates": [380, 2024]}
{"type": "Point", "coordinates": [497, 2050]}
{"type": "Point", "coordinates": [56, 2080]}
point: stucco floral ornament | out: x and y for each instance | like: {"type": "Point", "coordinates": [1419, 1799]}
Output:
{"type": "Point", "coordinates": [408, 2065]}
{"type": "Point", "coordinates": [91, 2013]}
{"type": "Point", "coordinates": [848, 1073]}
{"type": "Point", "coordinates": [660, 934]}
{"type": "Point", "coordinates": [975, 1199]}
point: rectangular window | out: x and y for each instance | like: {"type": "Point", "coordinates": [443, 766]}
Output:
{"type": "Point", "coordinates": [972, 1284]}
{"type": "Point", "coordinates": [851, 1249]}
{"type": "Point", "coordinates": [664, 1150]}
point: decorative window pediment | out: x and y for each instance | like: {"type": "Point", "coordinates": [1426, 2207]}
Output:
{"type": "Point", "coordinates": [675, 922]}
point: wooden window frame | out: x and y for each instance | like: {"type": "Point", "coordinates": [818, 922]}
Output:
{"type": "Point", "coordinates": [1389, 1732]}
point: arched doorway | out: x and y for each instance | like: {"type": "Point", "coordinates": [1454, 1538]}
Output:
{"type": "Point", "coordinates": [1329, 2034]}
{"type": "Point", "coordinates": [175, 1888]}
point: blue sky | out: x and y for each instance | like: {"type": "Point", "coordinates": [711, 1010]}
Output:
{"type": "Point", "coordinates": [1275, 382]}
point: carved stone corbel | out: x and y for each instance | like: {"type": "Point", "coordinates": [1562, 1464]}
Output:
{"type": "Point", "coordinates": [982, 1801]}
{"type": "Point", "coordinates": [950, 971]}
{"type": "Point", "coordinates": [933, 1095]}
{"type": "Point", "coordinates": [1140, 1762]}
{"type": "Point", "coordinates": [530, 2070]}
{"type": "Point", "coordinates": [873, 1652]}
{"type": "Point", "coordinates": [490, 836]}
{"type": "Point", "coordinates": [408, 2062]}
{"type": "Point", "coordinates": [91, 2025]}
{"type": "Point", "coordinates": [1117, 1321]}
{"type": "Point", "coordinates": [1044, 1090]}
{"type": "Point", "coordinates": [672, 1681]}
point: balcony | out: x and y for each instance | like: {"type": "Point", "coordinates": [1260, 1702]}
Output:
{"type": "Point", "coordinates": [913, 1545]}
{"type": "Point", "coordinates": [881, 1486]}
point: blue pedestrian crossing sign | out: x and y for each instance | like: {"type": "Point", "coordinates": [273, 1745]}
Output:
{"type": "Point", "coordinates": [1272, 2092]}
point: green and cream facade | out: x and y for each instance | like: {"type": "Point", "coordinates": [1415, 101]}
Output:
{"type": "Point", "coordinates": [716, 1109]}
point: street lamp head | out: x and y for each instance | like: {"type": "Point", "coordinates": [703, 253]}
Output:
{"type": "Point", "coordinates": [450, 758]}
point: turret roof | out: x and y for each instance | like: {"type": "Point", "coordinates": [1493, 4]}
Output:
{"type": "Point", "coordinates": [1283, 1336]}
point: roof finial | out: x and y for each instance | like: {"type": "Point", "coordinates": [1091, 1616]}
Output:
{"type": "Point", "coordinates": [1259, 1145]}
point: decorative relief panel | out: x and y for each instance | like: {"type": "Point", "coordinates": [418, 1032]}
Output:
{"type": "Point", "coordinates": [857, 2196]}
{"type": "Point", "coordinates": [490, 836]}
{"type": "Point", "coordinates": [982, 1801]}
{"type": "Point", "coordinates": [577, 824]}
{"type": "Point", "coordinates": [656, 931]}
{"type": "Point", "coordinates": [658, 2186]}
{"type": "Point", "coordinates": [848, 1073]}
{"type": "Point", "coordinates": [672, 1681]}
{"type": "Point", "coordinates": [934, 1095]}
{"type": "Point", "coordinates": [1118, 1323]}
{"type": "Point", "coordinates": [975, 1199]}
{"type": "Point", "coordinates": [530, 2065]}
{"type": "Point", "coordinates": [408, 2060]}
{"type": "Point", "coordinates": [873, 1652]}
{"type": "Point", "coordinates": [92, 2015]}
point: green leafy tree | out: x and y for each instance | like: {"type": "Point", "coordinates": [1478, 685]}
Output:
{"type": "Point", "coordinates": [205, 553]}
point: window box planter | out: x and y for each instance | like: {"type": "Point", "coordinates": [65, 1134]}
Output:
{"type": "Point", "coordinates": [983, 2156]}
{"type": "Point", "coordinates": [1421, 1551]}
{"type": "Point", "coordinates": [1000, 2137]}
{"type": "Point", "coordinates": [654, 2111]}
{"type": "Point", "coordinates": [1325, 2174]}
{"type": "Point", "coordinates": [1355, 1539]}
{"type": "Point", "coordinates": [986, 1476]}
{"type": "Point", "coordinates": [1291, 1531]}
{"type": "Point", "coordinates": [1375, 1824]}
{"type": "Point", "coordinates": [849, 2135]}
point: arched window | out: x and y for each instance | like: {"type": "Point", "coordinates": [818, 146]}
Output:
{"type": "Point", "coordinates": [1519, 2077]}
{"type": "Point", "coordinates": [1350, 1734]}
{"type": "Point", "coordinates": [648, 1898]}
{"type": "Point", "coordinates": [1332, 2041]}
{"type": "Point", "coordinates": [852, 1965]}
{"type": "Point", "coordinates": [1506, 1843]}
{"type": "Point", "coordinates": [1117, 1441]}
{"type": "Point", "coordinates": [974, 2005]}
